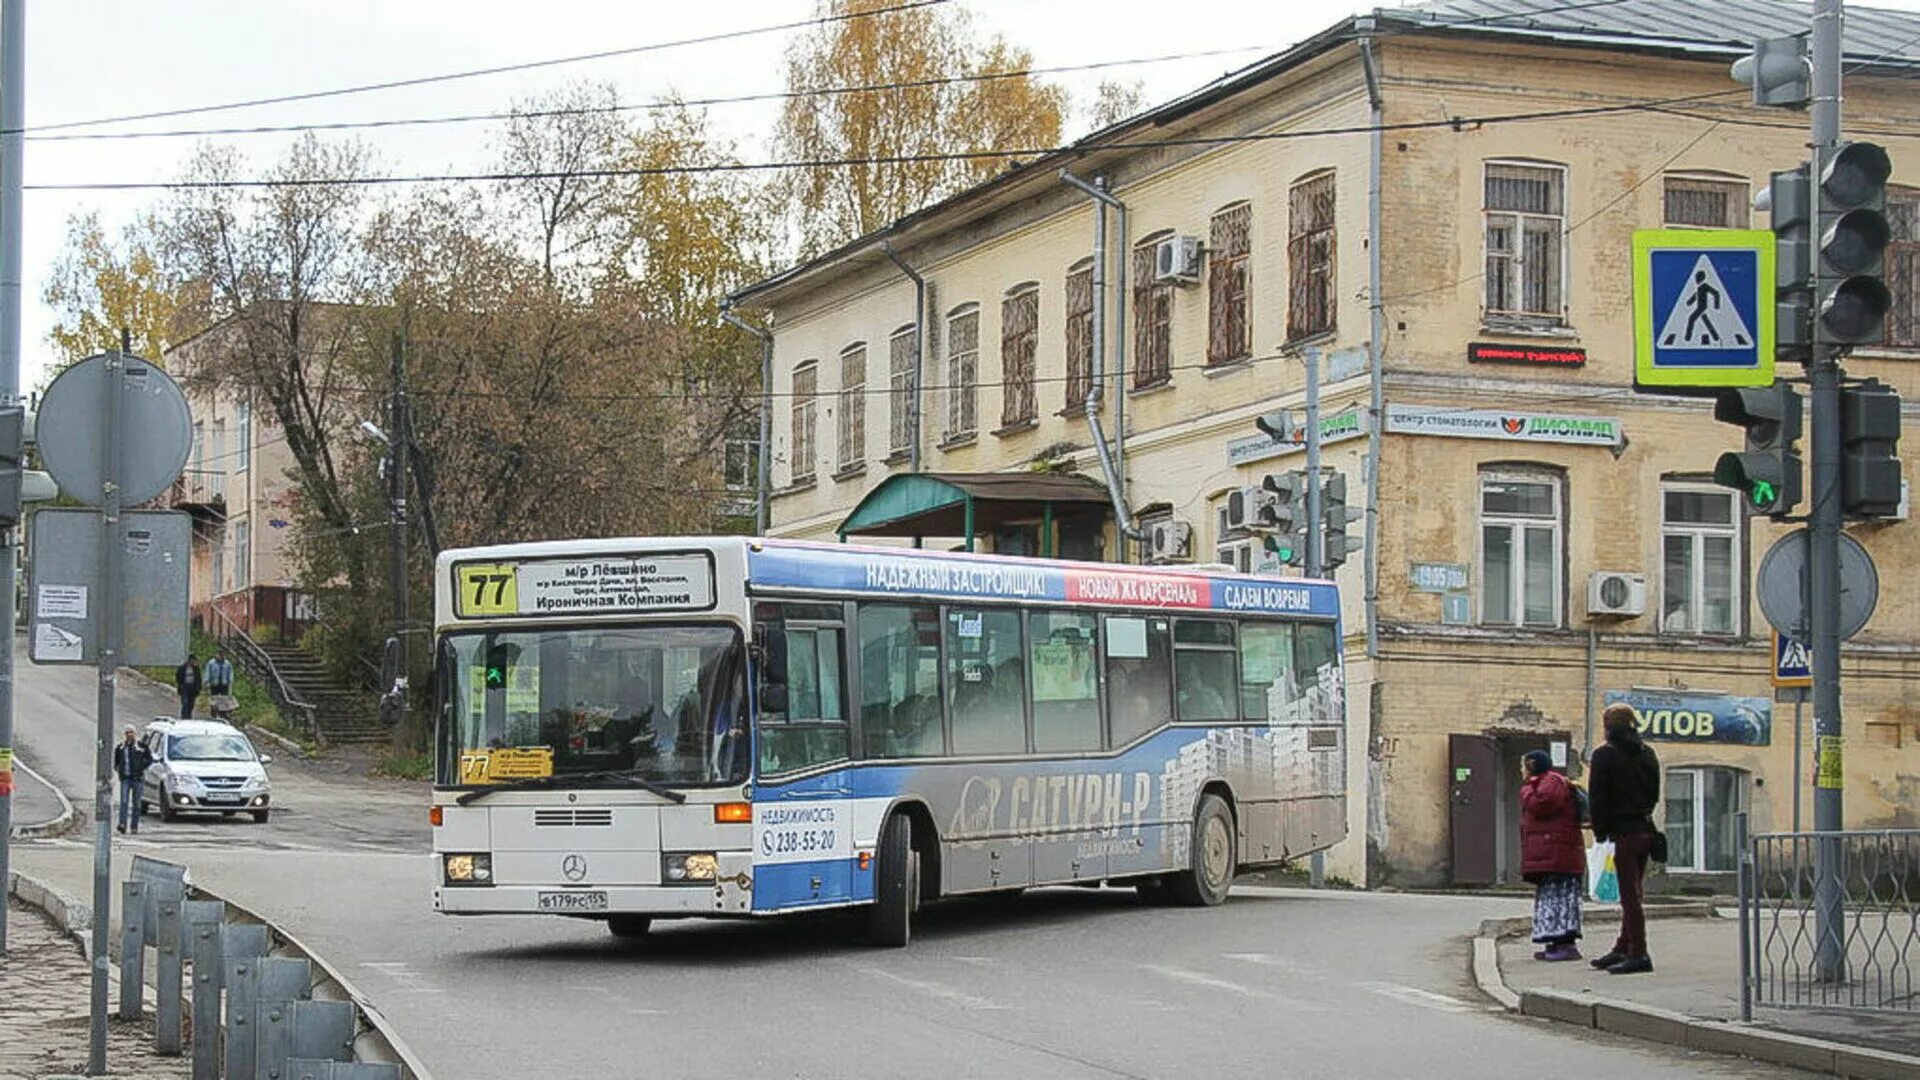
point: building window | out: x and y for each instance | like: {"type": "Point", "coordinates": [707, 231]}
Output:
{"type": "Point", "coordinates": [220, 468]}
{"type": "Point", "coordinates": [1701, 804]}
{"type": "Point", "coordinates": [903, 356]}
{"type": "Point", "coordinates": [1903, 268]}
{"type": "Point", "coordinates": [1699, 539]}
{"type": "Point", "coordinates": [1232, 547]}
{"type": "Point", "coordinates": [1310, 303]}
{"type": "Point", "coordinates": [742, 461]}
{"type": "Point", "coordinates": [806, 380]}
{"type": "Point", "coordinates": [242, 554]}
{"type": "Point", "coordinates": [1706, 203]}
{"type": "Point", "coordinates": [243, 438]}
{"type": "Point", "coordinates": [1079, 335]}
{"type": "Point", "coordinates": [1152, 318]}
{"type": "Point", "coordinates": [1229, 330]}
{"type": "Point", "coordinates": [853, 408]}
{"type": "Point", "coordinates": [1019, 338]}
{"type": "Point", "coordinates": [1520, 554]}
{"type": "Point", "coordinates": [199, 453]}
{"type": "Point", "coordinates": [963, 370]}
{"type": "Point", "coordinates": [1526, 222]}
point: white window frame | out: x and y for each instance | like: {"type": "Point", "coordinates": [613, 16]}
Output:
{"type": "Point", "coordinates": [963, 377]}
{"type": "Point", "coordinates": [1697, 532]}
{"type": "Point", "coordinates": [1517, 571]}
{"type": "Point", "coordinates": [243, 437]}
{"type": "Point", "coordinates": [901, 362]}
{"type": "Point", "coordinates": [1741, 795]}
{"type": "Point", "coordinates": [1739, 194]}
{"type": "Point", "coordinates": [242, 554]}
{"type": "Point", "coordinates": [850, 448]}
{"type": "Point", "coordinates": [804, 413]}
{"type": "Point", "coordinates": [1517, 256]}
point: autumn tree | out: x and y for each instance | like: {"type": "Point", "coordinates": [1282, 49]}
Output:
{"type": "Point", "coordinates": [99, 286]}
{"type": "Point", "coordinates": [870, 91]}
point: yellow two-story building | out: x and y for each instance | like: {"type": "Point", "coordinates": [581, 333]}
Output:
{"type": "Point", "coordinates": [1436, 204]}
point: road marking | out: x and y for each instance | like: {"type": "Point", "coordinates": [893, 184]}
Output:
{"type": "Point", "coordinates": [1266, 960]}
{"type": "Point", "coordinates": [1425, 999]}
{"type": "Point", "coordinates": [1198, 978]}
{"type": "Point", "coordinates": [932, 989]}
{"type": "Point", "coordinates": [403, 975]}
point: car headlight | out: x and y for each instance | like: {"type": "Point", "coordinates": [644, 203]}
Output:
{"type": "Point", "coordinates": [186, 781]}
{"type": "Point", "coordinates": [689, 867]}
{"type": "Point", "coordinates": [469, 869]}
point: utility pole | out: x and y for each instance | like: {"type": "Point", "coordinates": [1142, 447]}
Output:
{"type": "Point", "coordinates": [399, 439]}
{"type": "Point", "coordinates": [13, 113]}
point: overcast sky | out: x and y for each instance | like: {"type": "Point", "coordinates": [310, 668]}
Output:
{"type": "Point", "coordinates": [89, 59]}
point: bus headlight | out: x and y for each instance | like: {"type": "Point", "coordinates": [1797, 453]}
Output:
{"type": "Point", "coordinates": [689, 867]}
{"type": "Point", "coordinates": [476, 869]}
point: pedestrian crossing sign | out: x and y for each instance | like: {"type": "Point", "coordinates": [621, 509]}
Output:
{"type": "Point", "coordinates": [1703, 304]}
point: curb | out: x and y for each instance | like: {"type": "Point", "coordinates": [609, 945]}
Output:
{"type": "Point", "coordinates": [1676, 1029]}
{"type": "Point", "coordinates": [74, 918]}
{"type": "Point", "coordinates": [277, 739]}
{"type": "Point", "coordinates": [58, 826]}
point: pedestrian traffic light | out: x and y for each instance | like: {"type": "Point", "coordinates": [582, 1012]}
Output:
{"type": "Point", "coordinates": [1869, 435]}
{"type": "Point", "coordinates": [1851, 299]}
{"type": "Point", "coordinates": [1278, 425]}
{"type": "Point", "coordinates": [1335, 544]}
{"type": "Point", "coordinates": [1789, 201]}
{"type": "Point", "coordinates": [1286, 515]}
{"type": "Point", "coordinates": [13, 435]}
{"type": "Point", "coordinates": [1779, 71]}
{"type": "Point", "coordinates": [1767, 473]}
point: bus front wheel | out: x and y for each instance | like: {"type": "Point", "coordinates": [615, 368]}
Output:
{"type": "Point", "coordinates": [628, 926]}
{"type": "Point", "coordinates": [1209, 875]}
{"type": "Point", "coordinates": [896, 885]}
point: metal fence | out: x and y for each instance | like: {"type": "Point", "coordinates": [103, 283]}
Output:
{"type": "Point", "coordinates": [1854, 944]}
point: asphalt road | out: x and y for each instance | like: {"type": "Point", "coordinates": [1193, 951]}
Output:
{"type": "Point", "coordinates": [1058, 983]}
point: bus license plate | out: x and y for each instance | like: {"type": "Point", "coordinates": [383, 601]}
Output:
{"type": "Point", "coordinates": [593, 900]}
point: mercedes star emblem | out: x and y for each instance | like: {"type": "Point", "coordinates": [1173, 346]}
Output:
{"type": "Point", "coordinates": [574, 867]}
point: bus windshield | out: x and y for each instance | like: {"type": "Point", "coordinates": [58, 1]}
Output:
{"type": "Point", "coordinates": [663, 703]}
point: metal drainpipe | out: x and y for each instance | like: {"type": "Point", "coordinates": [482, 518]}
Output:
{"type": "Point", "coordinates": [919, 349]}
{"type": "Point", "coordinates": [1376, 389]}
{"type": "Point", "coordinates": [1116, 481]}
{"type": "Point", "coordinates": [763, 486]}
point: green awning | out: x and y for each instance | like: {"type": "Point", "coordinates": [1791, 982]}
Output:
{"type": "Point", "coordinates": [966, 504]}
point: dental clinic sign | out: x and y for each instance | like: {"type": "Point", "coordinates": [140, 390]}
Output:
{"type": "Point", "coordinates": [1449, 422]}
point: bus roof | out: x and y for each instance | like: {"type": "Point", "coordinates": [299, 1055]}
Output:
{"type": "Point", "coordinates": [808, 566]}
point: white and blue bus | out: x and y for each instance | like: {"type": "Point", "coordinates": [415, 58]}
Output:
{"type": "Point", "coordinates": [631, 730]}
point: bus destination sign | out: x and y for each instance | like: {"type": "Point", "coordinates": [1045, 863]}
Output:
{"type": "Point", "coordinates": [610, 585]}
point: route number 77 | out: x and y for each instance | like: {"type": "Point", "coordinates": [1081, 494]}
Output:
{"type": "Point", "coordinates": [487, 589]}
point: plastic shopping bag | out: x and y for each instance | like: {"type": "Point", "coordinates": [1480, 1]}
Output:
{"type": "Point", "coordinates": [1603, 881]}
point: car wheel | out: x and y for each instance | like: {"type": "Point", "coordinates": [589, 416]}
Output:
{"type": "Point", "coordinates": [1209, 874]}
{"type": "Point", "coordinates": [260, 816]}
{"type": "Point", "coordinates": [166, 804]}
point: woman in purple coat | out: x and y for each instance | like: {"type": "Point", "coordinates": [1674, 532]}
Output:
{"type": "Point", "coordinates": [1553, 856]}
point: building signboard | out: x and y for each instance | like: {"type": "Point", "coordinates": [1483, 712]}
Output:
{"type": "Point", "coordinates": [1336, 428]}
{"type": "Point", "coordinates": [1689, 717]}
{"type": "Point", "coordinates": [1560, 356]}
{"type": "Point", "coordinates": [1449, 422]}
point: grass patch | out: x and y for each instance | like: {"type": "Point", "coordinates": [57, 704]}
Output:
{"type": "Point", "coordinates": [406, 765]}
{"type": "Point", "coordinates": [254, 707]}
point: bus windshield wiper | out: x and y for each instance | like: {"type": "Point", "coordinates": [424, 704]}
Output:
{"type": "Point", "coordinates": [624, 776]}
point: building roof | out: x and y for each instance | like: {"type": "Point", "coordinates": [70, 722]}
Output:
{"type": "Point", "coordinates": [1872, 38]}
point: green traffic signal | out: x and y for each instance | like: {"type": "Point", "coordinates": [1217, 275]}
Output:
{"type": "Point", "coordinates": [496, 677]}
{"type": "Point", "coordinates": [1763, 495]}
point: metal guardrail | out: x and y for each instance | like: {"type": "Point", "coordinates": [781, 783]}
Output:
{"type": "Point", "coordinates": [1871, 947]}
{"type": "Point", "coordinates": [261, 666]}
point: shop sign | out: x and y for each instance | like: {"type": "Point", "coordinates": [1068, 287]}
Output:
{"type": "Point", "coordinates": [1339, 427]}
{"type": "Point", "coordinates": [1449, 422]}
{"type": "Point", "coordinates": [1487, 352]}
{"type": "Point", "coordinates": [1684, 716]}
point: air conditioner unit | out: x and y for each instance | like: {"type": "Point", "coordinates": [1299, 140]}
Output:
{"type": "Point", "coordinates": [1177, 260]}
{"type": "Point", "coordinates": [1613, 593]}
{"type": "Point", "coordinates": [1244, 506]}
{"type": "Point", "coordinates": [1170, 540]}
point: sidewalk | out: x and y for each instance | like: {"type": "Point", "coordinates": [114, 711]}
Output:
{"type": "Point", "coordinates": [44, 983]}
{"type": "Point", "coordinates": [36, 804]}
{"type": "Point", "coordinates": [1696, 976]}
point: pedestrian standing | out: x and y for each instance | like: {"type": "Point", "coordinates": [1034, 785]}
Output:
{"type": "Point", "coordinates": [186, 679]}
{"type": "Point", "coordinates": [130, 762]}
{"type": "Point", "coordinates": [1552, 856]}
{"type": "Point", "coordinates": [1625, 787]}
{"type": "Point", "coordinates": [219, 675]}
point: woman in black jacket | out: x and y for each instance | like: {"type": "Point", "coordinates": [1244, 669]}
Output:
{"type": "Point", "coordinates": [1623, 788]}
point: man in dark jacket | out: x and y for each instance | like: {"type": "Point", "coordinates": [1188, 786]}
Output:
{"type": "Point", "coordinates": [186, 679]}
{"type": "Point", "coordinates": [130, 761]}
{"type": "Point", "coordinates": [1624, 788]}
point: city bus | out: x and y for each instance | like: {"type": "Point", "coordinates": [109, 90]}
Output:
{"type": "Point", "coordinates": [636, 730]}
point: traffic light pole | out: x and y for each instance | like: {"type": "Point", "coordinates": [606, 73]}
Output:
{"type": "Point", "coordinates": [13, 35]}
{"type": "Point", "coordinates": [400, 438]}
{"type": "Point", "coordinates": [1317, 863]}
{"type": "Point", "coordinates": [1823, 555]}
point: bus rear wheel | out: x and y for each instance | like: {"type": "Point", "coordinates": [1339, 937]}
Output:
{"type": "Point", "coordinates": [1205, 881]}
{"type": "Point", "coordinates": [896, 885]}
{"type": "Point", "coordinates": [628, 926]}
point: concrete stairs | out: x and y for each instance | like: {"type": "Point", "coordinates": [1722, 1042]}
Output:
{"type": "Point", "coordinates": [344, 715]}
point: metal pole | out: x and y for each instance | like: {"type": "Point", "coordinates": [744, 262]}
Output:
{"type": "Point", "coordinates": [1823, 555]}
{"type": "Point", "coordinates": [397, 540]}
{"type": "Point", "coordinates": [1742, 843]}
{"type": "Point", "coordinates": [108, 622]}
{"type": "Point", "coordinates": [1799, 754]}
{"type": "Point", "coordinates": [13, 36]}
{"type": "Point", "coordinates": [1316, 561]}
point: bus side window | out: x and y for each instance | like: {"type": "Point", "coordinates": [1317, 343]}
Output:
{"type": "Point", "coordinates": [1139, 676]}
{"type": "Point", "coordinates": [803, 719]}
{"type": "Point", "coordinates": [1066, 701]}
{"type": "Point", "coordinates": [1203, 667]}
{"type": "Point", "coordinates": [986, 681]}
{"type": "Point", "coordinates": [900, 714]}
{"type": "Point", "coordinates": [1317, 658]}
{"type": "Point", "coordinates": [1267, 682]}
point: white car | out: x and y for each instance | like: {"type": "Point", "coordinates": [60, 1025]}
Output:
{"type": "Point", "coordinates": [204, 766]}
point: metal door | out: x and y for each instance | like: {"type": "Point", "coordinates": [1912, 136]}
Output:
{"type": "Point", "coordinates": [1473, 762]}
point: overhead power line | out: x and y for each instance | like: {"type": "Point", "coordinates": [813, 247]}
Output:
{"type": "Point", "coordinates": [503, 69]}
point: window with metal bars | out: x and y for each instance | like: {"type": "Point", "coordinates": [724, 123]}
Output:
{"type": "Point", "coordinates": [1310, 239]}
{"type": "Point", "coordinates": [1525, 239]}
{"type": "Point", "coordinates": [806, 380]}
{"type": "Point", "coordinates": [1704, 203]}
{"type": "Point", "coordinates": [963, 365]}
{"type": "Point", "coordinates": [1152, 318]}
{"type": "Point", "coordinates": [1903, 268]}
{"type": "Point", "coordinates": [903, 353]}
{"type": "Point", "coordinates": [1019, 338]}
{"type": "Point", "coordinates": [1079, 336]}
{"type": "Point", "coordinates": [853, 407]}
{"type": "Point", "coordinates": [1229, 327]}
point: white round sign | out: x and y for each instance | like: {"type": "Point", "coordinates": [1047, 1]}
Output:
{"type": "Point", "coordinates": [156, 430]}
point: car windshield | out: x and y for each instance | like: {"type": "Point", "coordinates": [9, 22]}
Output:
{"type": "Point", "coordinates": [209, 748]}
{"type": "Point", "coordinates": [663, 703]}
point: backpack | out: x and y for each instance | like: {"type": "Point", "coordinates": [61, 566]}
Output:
{"type": "Point", "coordinates": [1584, 804]}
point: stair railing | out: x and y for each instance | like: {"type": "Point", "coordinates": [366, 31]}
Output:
{"type": "Point", "coordinates": [261, 666]}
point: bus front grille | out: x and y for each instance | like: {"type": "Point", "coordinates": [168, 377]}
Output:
{"type": "Point", "coordinates": [565, 817]}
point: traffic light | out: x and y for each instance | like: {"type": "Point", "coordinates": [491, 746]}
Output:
{"type": "Point", "coordinates": [1851, 299]}
{"type": "Point", "coordinates": [1286, 515]}
{"type": "Point", "coordinates": [1767, 473]}
{"type": "Point", "coordinates": [1779, 71]}
{"type": "Point", "coordinates": [1789, 200]}
{"type": "Point", "coordinates": [13, 436]}
{"type": "Point", "coordinates": [1278, 425]}
{"type": "Point", "coordinates": [1869, 435]}
{"type": "Point", "coordinates": [1335, 544]}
